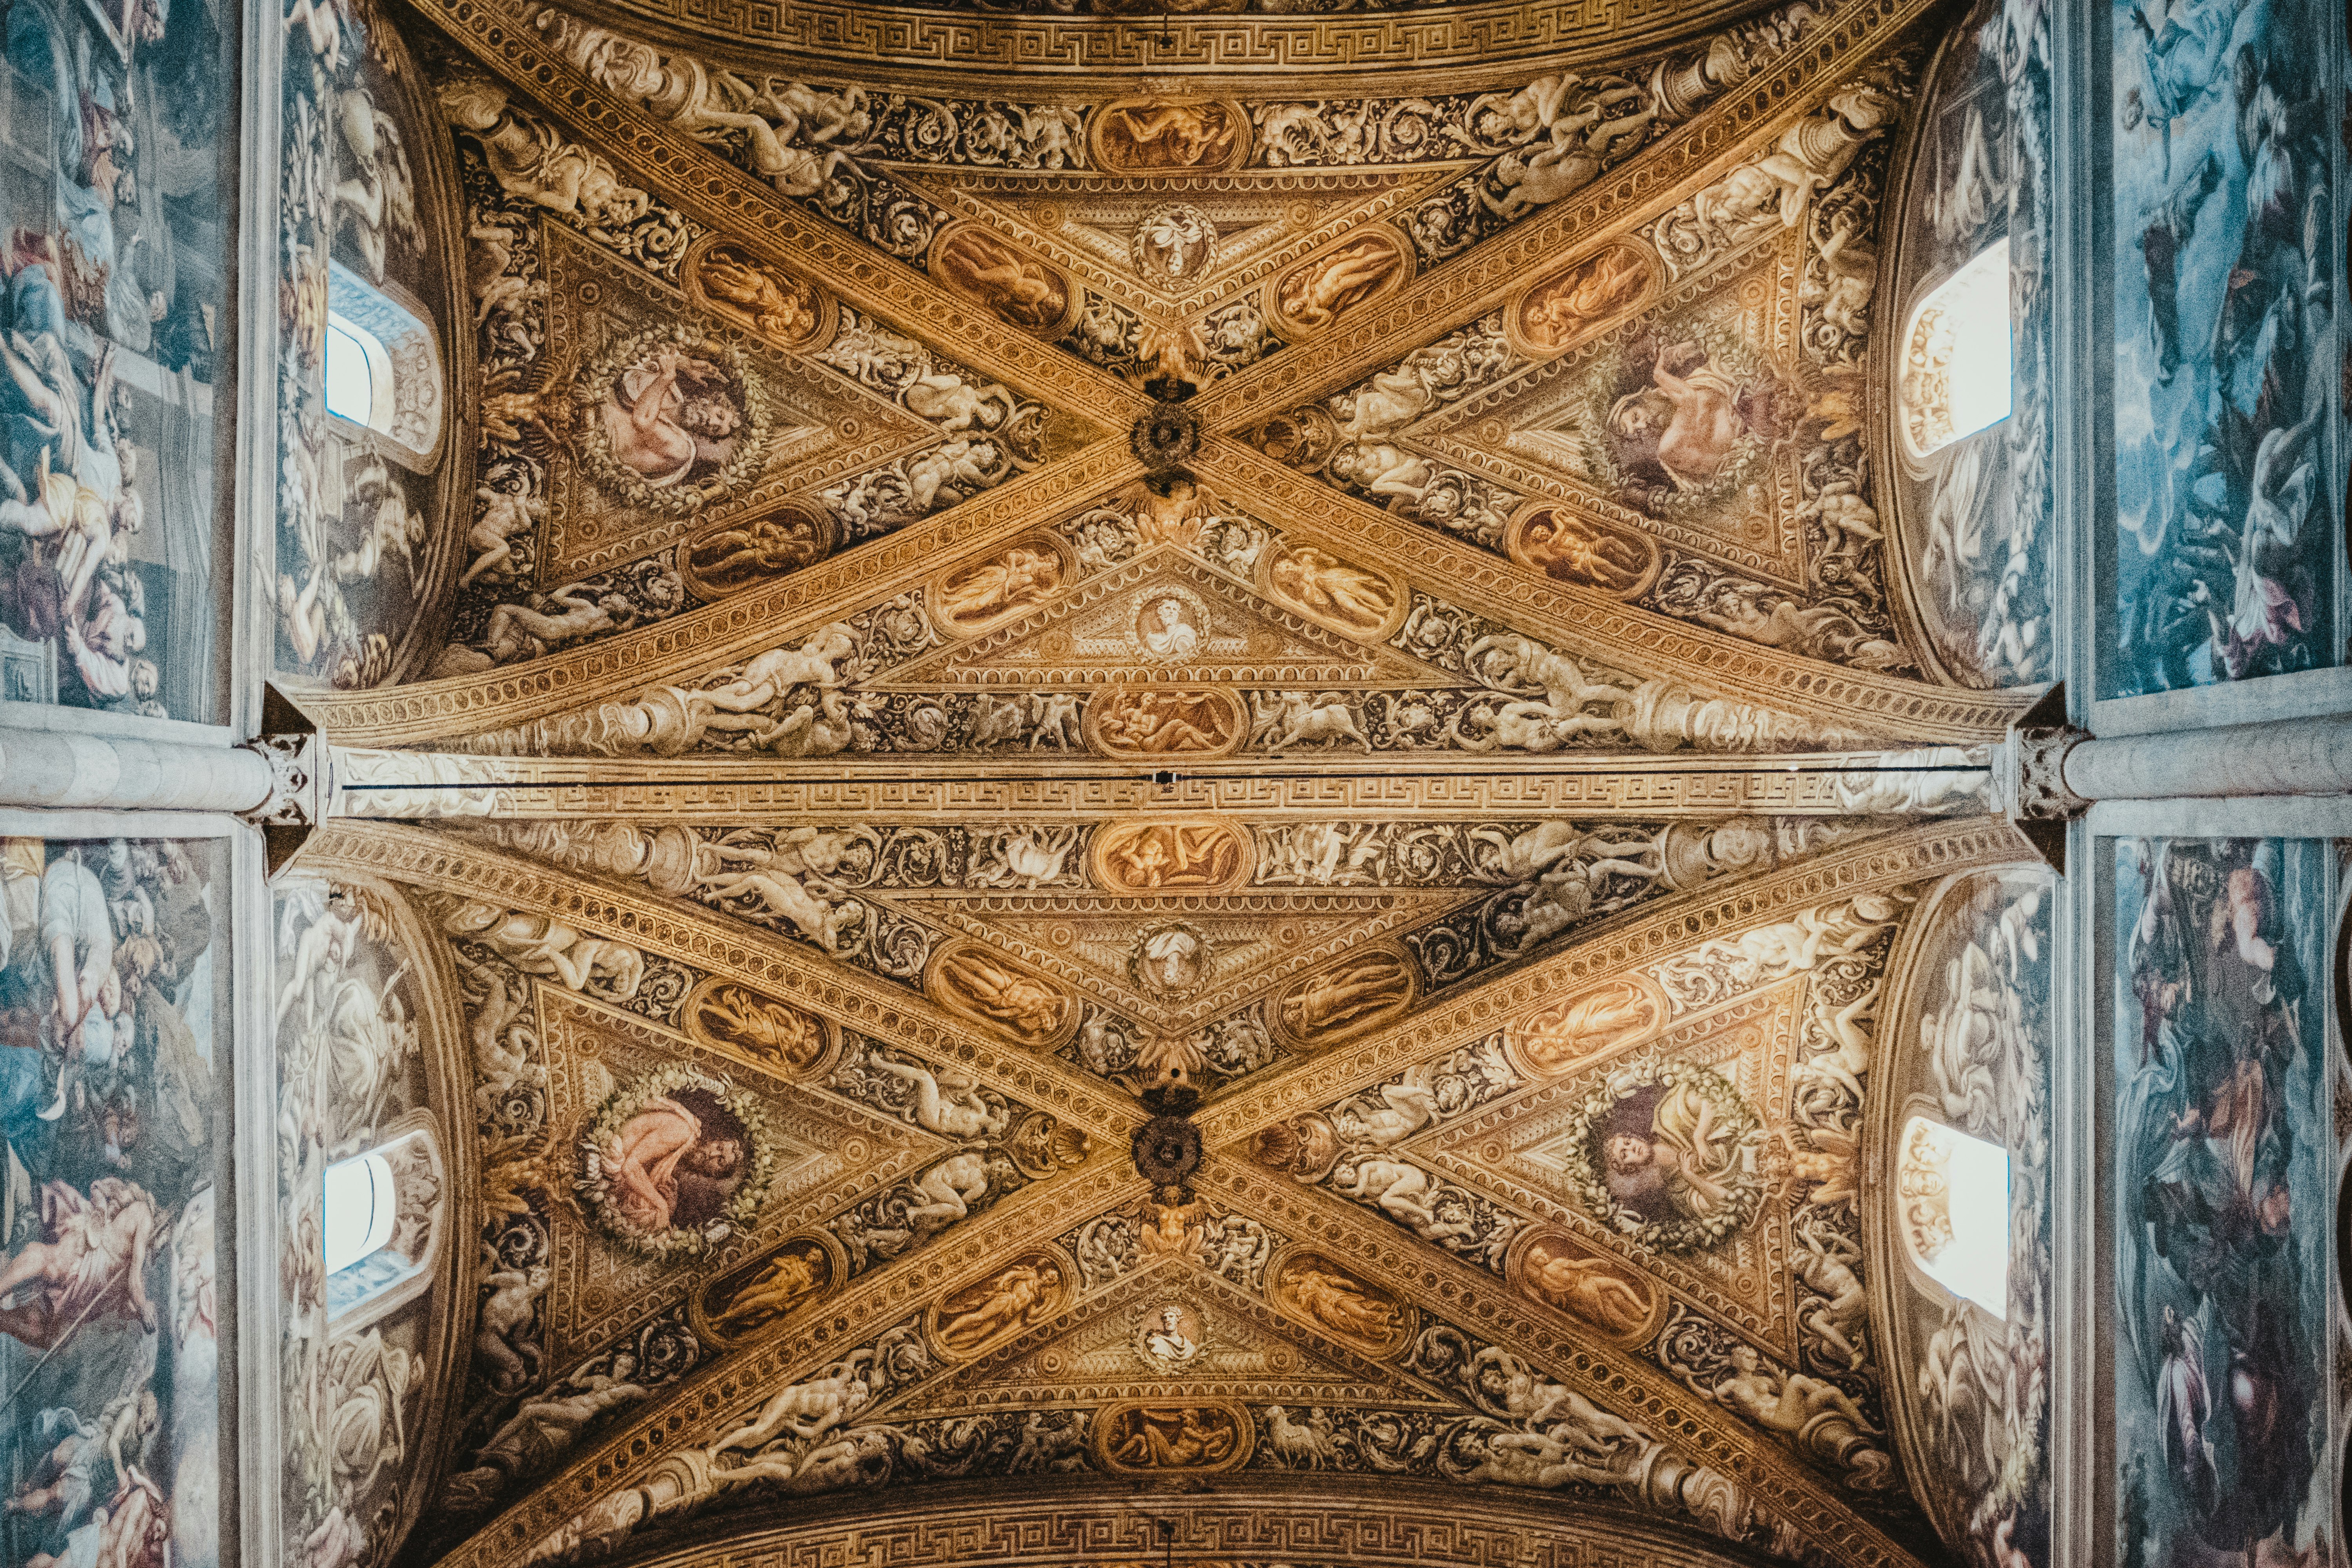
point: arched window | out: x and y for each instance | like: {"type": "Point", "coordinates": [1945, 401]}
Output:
{"type": "Point", "coordinates": [357, 1210]}
{"type": "Point", "coordinates": [1952, 1194]}
{"type": "Point", "coordinates": [380, 1224]}
{"type": "Point", "coordinates": [384, 370]}
{"type": "Point", "coordinates": [359, 371]}
{"type": "Point", "coordinates": [1954, 375]}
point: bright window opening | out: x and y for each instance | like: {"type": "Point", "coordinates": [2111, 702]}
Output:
{"type": "Point", "coordinates": [1955, 378]}
{"type": "Point", "coordinates": [353, 358]}
{"type": "Point", "coordinates": [357, 1210]}
{"type": "Point", "coordinates": [383, 369]}
{"type": "Point", "coordinates": [1954, 1195]}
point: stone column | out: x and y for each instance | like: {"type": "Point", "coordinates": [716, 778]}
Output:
{"type": "Point", "coordinates": [58, 770]}
{"type": "Point", "coordinates": [2287, 756]}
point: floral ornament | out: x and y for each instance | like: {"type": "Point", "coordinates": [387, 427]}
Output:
{"type": "Point", "coordinates": [671, 419]}
{"type": "Point", "coordinates": [675, 1162]}
{"type": "Point", "coordinates": [1667, 1154]}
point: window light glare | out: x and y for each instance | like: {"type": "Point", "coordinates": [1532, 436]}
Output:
{"type": "Point", "coordinates": [357, 1210]}
{"type": "Point", "coordinates": [351, 372]}
{"type": "Point", "coordinates": [1956, 372]}
{"type": "Point", "coordinates": [1954, 1193]}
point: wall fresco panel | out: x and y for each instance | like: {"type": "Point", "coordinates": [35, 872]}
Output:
{"type": "Point", "coordinates": [2222, 565]}
{"type": "Point", "coordinates": [2221, 1166]}
{"type": "Point", "coordinates": [114, 1001]}
{"type": "Point", "coordinates": [114, 194]}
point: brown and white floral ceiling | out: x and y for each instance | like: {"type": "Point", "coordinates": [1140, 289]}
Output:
{"type": "Point", "coordinates": [1182, 775]}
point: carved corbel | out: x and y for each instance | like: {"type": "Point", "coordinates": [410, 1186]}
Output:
{"type": "Point", "coordinates": [297, 754]}
{"type": "Point", "coordinates": [2040, 803]}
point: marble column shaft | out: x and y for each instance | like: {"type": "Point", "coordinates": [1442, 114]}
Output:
{"type": "Point", "coordinates": [57, 769]}
{"type": "Point", "coordinates": [2287, 756]}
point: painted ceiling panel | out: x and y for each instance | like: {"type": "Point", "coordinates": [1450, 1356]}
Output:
{"type": "Point", "coordinates": [1146, 780]}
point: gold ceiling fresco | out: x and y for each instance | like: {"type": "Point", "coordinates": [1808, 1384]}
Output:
{"type": "Point", "coordinates": [1205, 778]}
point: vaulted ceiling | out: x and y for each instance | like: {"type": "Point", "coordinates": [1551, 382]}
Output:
{"type": "Point", "coordinates": [1141, 765]}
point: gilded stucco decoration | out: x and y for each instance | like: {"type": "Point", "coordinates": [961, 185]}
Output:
{"type": "Point", "coordinates": [1170, 780]}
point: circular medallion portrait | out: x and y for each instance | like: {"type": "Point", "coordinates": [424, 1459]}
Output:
{"type": "Point", "coordinates": [1169, 1335]}
{"type": "Point", "coordinates": [1169, 960]}
{"type": "Point", "coordinates": [675, 1163]}
{"type": "Point", "coordinates": [671, 419]}
{"type": "Point", "coordinates": [1681, 416]}
{"type": "Point", "coordinates": [1666, 1152]}
{"type": "Point", "coordinates": [1173, 246]}
{"type": "Point", "coordinates": [1171, 627]}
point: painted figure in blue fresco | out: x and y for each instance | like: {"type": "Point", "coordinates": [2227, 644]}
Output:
{"type": "Point", "coordinates": [2222, 311]}
{"type": "Point", "coordinates": [108, 282]}
{"type": "Point", "coordinates": [2179, 57]}
{"type": "Point", "coordinates": [2216, 1145]}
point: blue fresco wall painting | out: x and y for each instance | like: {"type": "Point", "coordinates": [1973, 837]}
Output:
{"type": "Point", "coordinates": [2223, 256]}
{"type": "Point", "coordinates": [113, 1066]}
{"type": "Point", "coordinates": [2222, 1163]}
{"type": "Point", "coordinates": [114, 244]}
